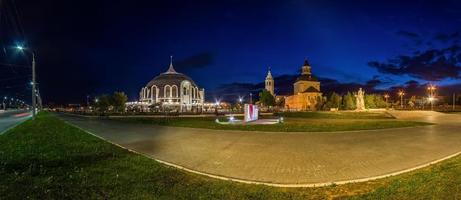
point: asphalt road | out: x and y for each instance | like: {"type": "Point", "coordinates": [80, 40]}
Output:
{"type": "Point", "coordinates": [9, 119]}
{"type": "Point", "coordinates": [289, 158]}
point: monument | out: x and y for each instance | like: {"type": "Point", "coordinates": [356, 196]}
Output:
{"type": "Point", "coordinates": [251, 113]}
{"type": "Point", "coordinates": [360, 100]}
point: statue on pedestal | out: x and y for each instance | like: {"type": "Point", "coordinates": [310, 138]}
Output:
{"type": "Point", "coordinates": [360, 100]}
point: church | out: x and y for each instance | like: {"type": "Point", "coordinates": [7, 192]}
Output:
{"type": "Point", "coordinates": [173, 91]}
{"type": "Point", "coordinates": [306, 92]}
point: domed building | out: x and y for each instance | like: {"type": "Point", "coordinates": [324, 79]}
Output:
{"type": "Point", "coordinates": [173, 91]}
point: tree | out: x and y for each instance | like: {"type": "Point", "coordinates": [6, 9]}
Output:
{"type": "Point", "coordinates": [266, 98]}
{"type": "Point", "coordinates": [103, 102]}
{"type": "Point", "coordinates": [280, 102]}
{"type": "Point", "coordinates": [155, 107]}
{"type": "Point", "coordinates": [380, 102]}
{"type": "Point", "coordinates": [370, 101]}
{"type": "Point", "coordinates": [118, 100]}
{"type": "Point", "coordinates": [320, 103]}
{"type": "Point", "coordinates": [334, 101]}
{"type": "Point", "coordinates": [348, 102]}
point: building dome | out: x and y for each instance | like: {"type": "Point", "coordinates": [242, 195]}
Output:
{"type": "Point", "coordinates": [170, 79]}
{"type": "Point", "coordinates": [173, 89]}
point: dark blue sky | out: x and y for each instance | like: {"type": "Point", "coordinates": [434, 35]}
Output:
{"type": "Point", "coordinates": [92, 48]}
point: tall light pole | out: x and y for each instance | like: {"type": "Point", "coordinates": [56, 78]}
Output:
{"type": "Point", "coordinates": [251, 98]}
{"type": "Point", "coordinates": [431, 90]}
{"type": "Point", "coordinates": [454, 101]}
{"type": "Point", "coordinates": [241, 105]}
{"type": "Point", "coordinates": [4, 105]}
{"type": "Point", "coordinates": [33, 83]}
{"type": "Point", "coordinates": [386, 97]}
{"type": "Point", "coordinates": [401, 94]}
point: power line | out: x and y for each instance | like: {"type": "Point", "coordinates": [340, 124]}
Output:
{"type": "Point", "coordinates": [20, 27]}
{"type": "Point", "coordinates": [14, 86]}
{"type": "Point", "coordinates": [13, 65]}
{"type": "Point", "coordinates": [14, 78]}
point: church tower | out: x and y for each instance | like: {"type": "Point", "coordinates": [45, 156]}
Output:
{"type": "Point", "coordinates": [306, 69]}
{"type": "Point", "coordinates": [270, 82]}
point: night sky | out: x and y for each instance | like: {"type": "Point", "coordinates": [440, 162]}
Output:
{"type": "Point", "coordinates": [94, 47]}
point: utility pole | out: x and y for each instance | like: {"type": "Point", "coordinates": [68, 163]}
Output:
{"type": "Point", "coordinates": [34, 95]}
{"type": "Point", "coordinates": [454, 101]}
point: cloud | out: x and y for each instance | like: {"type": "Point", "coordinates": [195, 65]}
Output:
{"type": "Point", "coordinates": [407, 34]}
{"type": "Point", "coordinates": [196, 61]}
{"type": "Point", "coordinates": [443, 37]}
{"type": "Point", "coordinates": [431, 65]}
{"type": "Point", "coordinates": [415, 37]}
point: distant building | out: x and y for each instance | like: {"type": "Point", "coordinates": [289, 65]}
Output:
{"type": "Point", "coordinates": [173, 91]}
{"type": "Point", "coordinates": [269, 83]}
{"type": "Point", "coordinates": [306, 91]}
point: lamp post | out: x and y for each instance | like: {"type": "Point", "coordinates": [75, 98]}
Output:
{"type": "Point", "coordinates": [4, 105]}
{"type": "Point", "coordinates": [216, 107]}
{"type": "Point", "coordinates": [34, 95]}
{"type": "Point", "coordinates": [251, 98]}
{"type": "Point", "coordinates": [241, 105]}
{"type": "Point", "coordinates": [401, 94]}
{"type": "Point", "coordinates": [454, 101]}
{"type": "Point", "coordinates": [386, 97]}
{"type": "Point", "coordinates": [431, 90]}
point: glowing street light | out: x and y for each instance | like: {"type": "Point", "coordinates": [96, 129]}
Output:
{"type": "Point", "coordinates": [431, 90]}
{"type": "Point", "coordinates": [33, 83]}
{"type": "Point", "coordinates": [401, 94]}
{"type": "Point", "coordinates": [386, 97]}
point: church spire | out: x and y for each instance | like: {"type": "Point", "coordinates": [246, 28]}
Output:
{"type": "Point", "coordinates": [171, 69]}
{"type": "Point", "coordinates": [269, 74]}
{"type": "Point", "coordinates": [306, 63]}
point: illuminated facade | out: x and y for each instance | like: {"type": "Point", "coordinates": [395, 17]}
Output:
{"type": "Point", "coordinates": [306, 92]}
{"type": "Point", "coordinates": [173, 91]}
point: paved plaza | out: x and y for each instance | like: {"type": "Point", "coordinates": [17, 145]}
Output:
{"type": "Point", "coordinates": [289, 158]}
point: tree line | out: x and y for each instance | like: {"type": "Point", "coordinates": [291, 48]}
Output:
{"type": "Point", "coordinates": [115, 102]}
{"type": "Point", "coordinates": [334, 100]}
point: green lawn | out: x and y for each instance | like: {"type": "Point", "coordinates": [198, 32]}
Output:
{"type": "Point", "coordinates": [290, 124]}
{"type": "Point", "coordinates": [49, 159]}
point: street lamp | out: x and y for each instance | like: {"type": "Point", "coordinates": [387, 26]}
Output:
{"type": "Point", "coordinates": [4, 105]}
{"type": "Point", "coordinates": [240, 101]}
{"type": "Point", "coordinates": [431, 90]}
{"type": "Point", "coordinates": [401, 94]}
{"type": "Point", "coordinates": [251, 98]}
{"type": "Point", "coordinates": [386, 97]}
{"type": "Point", "coordinates": [33, 83]}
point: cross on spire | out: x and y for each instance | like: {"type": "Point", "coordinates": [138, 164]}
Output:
{"type": "Point", "coordinates": [306, 63]}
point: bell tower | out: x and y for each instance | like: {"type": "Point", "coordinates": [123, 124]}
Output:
{"type": "Point", "coordinates": [269, 83]}
{"type": "Point", "coordinates": [306, 68]}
